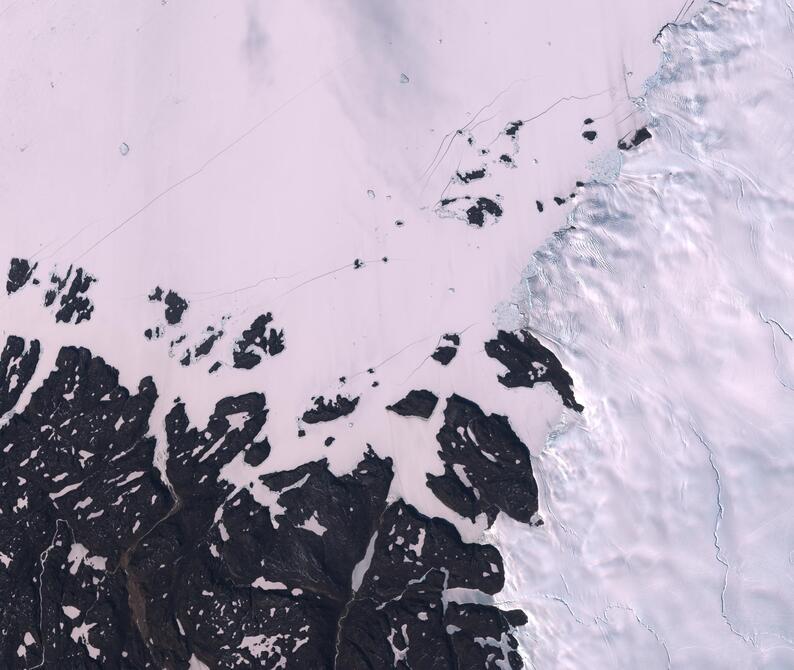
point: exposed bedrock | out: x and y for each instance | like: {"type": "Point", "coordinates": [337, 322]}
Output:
{"type": "Point", "coordinates": [419, 403]}
{"type": "Point", "coordinates": [528, 363]}
{"type": "Point", "coordinates": [487, 468]}
{"type": "Point", "coordinates": [107, 565]}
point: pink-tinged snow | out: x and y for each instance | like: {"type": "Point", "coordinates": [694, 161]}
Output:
{"type": "Point", "coordinates": [245, 154]}
{"type": "Point", "coordinates": [669, 539]}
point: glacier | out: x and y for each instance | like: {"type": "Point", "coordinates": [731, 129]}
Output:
{"type": "Point", "coordinates": [670, 543]}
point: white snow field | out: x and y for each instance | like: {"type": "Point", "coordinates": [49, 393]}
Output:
{"type": "Point", "coordinates": [247, 154]}
{"type": "Point", "coordinates": [670, 538]}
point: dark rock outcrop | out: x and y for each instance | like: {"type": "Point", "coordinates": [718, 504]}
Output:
{"type": "Point", "coordinates": [17, 365]}
{"type": "Point", "coordinates": [258, 336]}
{"type": "Point", "coordinates": [444, 353]}
{"type": "Point", "coordinates": [205, 346]}
{"type": "Point", "coordinates": [175, 306]}
{"type": "Point", "coordinates": [73, 301]}
{"type": "Point", "coordinates": [77, 491]}
{"type": "Point", "coordinates": [638, 138]}
{"type": "Point", "coordinates": [528, 363]}
{"type": "Point", "coordinates": [398, 617]}
{"type": "Point", "coordinates": [328, 410]}
{"type": "Point", "coordinates": [19, 274]}
{"type": "Point", "coordinates": [419, 403]}
{"type": "Point", "coordinates": [106, 565]}
{"type": "Point", "coordinates": [474, 214]}
{"type": "Point", "coordinates": [487, 468]}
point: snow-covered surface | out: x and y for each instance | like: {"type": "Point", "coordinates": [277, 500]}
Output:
{"type": "Point", "coordinates": [669, 539]}
{"type": "Point", "coordinates": [246, 157]}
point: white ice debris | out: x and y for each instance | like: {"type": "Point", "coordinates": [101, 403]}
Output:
{"type": "Point", "coordinates": [78, 554]}
{"type": "Point", "coordinates": [65, 490]}
{"type": "Point", "coordinates": [266, 585]}
{"type": "Point", "coordinates": [363, 565]}
{"type": "Point", "coordinates": [195, 664]}
{"type": "Point", "coordinates": [70, 611]}
{"type": "Point", "coordinates": [420, 542]}
{"type": "Point", "coordinates": [85, 502]}
{"type": "Point", "coordinates": [270, 646]}
{"type": "Point", "coordinates": [313, 524]}
{"type": "Point", "coordinates": [237, 420]}
{"type": "Point", "coordinates": [80, 634]}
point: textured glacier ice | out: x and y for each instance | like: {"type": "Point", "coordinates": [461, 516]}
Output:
{"type": "Point", "coordinates": [670, 540]}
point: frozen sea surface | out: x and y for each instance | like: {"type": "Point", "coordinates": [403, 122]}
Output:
{"type": "Point", "coordinates": [669, 539]}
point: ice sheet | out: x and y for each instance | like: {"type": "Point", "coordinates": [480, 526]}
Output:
{"type": "Point", "coordinates": [668, 540]}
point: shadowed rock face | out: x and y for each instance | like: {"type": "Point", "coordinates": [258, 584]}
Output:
{"type": "Point", "coordinates": [512, 128]}
{"type": "Point", "coordinates": [528, 363]}
{"type": "Point", "coordinates": [472, 210]}
{"type": "Point", "coordinates": [472, 175]}
{"type": "Point", "coordinates": [106, 566]}
{"type": "Point", "coordinates": [175, 304]}
{"type": "Point", "coordinates": [419, 403]}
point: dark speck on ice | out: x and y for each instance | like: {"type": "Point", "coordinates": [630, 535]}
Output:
{"type": "Point", "coordinates": [476, 213]}
{"type": "Point", "coordinates": [639, 137]}
{"type": "Point", "coordinates": [473, 175]}
{"type": "Point", "coordinates": [512, 128]}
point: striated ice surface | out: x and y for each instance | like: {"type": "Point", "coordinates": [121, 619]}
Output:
{"type": "Point", "coordinates": [669, 539]}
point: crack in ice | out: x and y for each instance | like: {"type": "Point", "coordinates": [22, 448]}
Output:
{"type": "Point", "coordinates": [719, 554]}
{"type": "Point", "coordinates": [772, 323]}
